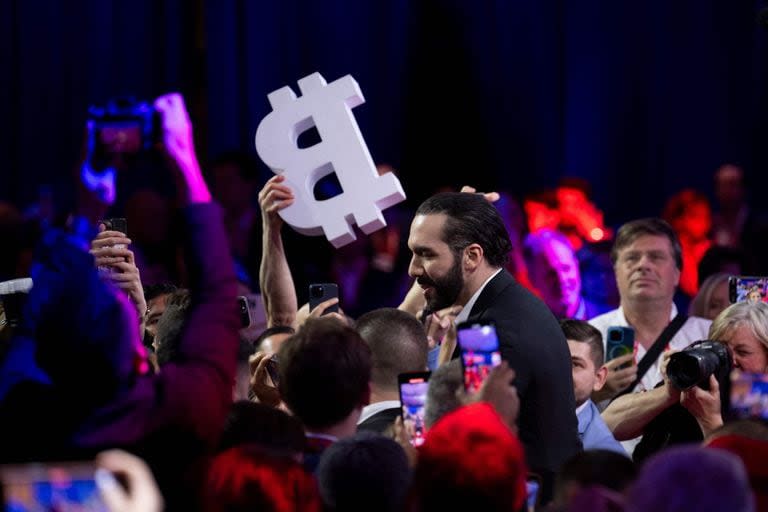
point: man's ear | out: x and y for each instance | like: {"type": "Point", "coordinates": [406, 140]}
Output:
{"type": "Point", "coordinates": [473, 256]}
{"type": "Point", "coordinates": [600, 377]}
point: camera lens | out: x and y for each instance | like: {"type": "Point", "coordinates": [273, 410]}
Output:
{"type": "Point", "coordinates": [691, 367]}
{"type": "Point", "coordinates": [317, 291]}
{"type": "Point", "coordinates": [616, 336]}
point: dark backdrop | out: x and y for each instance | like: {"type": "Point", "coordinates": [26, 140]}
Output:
{"type": "Point", "coordinates": [641, 98]}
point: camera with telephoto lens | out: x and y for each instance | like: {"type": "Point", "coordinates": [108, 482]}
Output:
{"type": "Point", "coordinates": [124, 125]}
{"type": "Point", "coordinates": [693, 366]}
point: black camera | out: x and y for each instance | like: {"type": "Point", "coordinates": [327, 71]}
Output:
{"type": "Point", "coordinates": [124, 125]}
{"type": "Point", "coordinates": [693, 366]}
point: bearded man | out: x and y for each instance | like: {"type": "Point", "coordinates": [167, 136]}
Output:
{"type": "Point", "coordinates": [459, 247]}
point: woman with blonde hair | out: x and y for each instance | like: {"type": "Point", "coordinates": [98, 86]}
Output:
{"type": "Point", "coordinates": [712, 297]}
{"type": "Point", "coordinates": [744, 328]}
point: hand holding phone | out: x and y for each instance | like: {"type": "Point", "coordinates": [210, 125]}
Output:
{"type": "Point", "coordinates": [321, 292]}
{"type": "Point", "coordinates": [413, 396]}
{"type": "Point", "coordinates": [479, 347]}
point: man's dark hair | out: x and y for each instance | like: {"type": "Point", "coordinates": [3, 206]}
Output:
{"type": "Point", "coordinates": [442, 394]}
{"type": "Point", "coordinates": [364, 472]}
{"type": "Point", "coordinates": [471, 219]}
{"type": "Point", "coordinates": [652, 226]}
{"type": "Point", "coordinates": [271, 331]}
{"type": "Point", "coordinates": [272, 429]}
{"type": "Point", "coordinates": [398, 345]}
{"type": "Point", "coordinates": [155, 290]}
{"type": "Point", "coordinates": [170, 325]}
{"type": "Point", "coordinates": [596, 467]}
{"type": "Point", "coordinates": [579, 330]}
{"type": "Point", "coordinates": [324, 372]}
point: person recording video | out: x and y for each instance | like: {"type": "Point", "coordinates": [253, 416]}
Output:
{"type": "Point", "coordinates": [85, 365]}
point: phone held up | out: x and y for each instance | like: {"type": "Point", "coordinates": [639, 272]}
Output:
{"type": "Point", "coordinates": [245, 311]}
{"type": "Point", "coordinates": [747, 288]}
{"type": "Point", "coordinates": [321, 292]}
{"type": "Point", "coordinates": [51, 486]}
{"type": "Point", "coordinates": [479, 347]}
{"type": "Point", "coordinates": [619, 341]}
{"type": "Point", "coordinates": [748, 396]}
{"type": "Point", "coordinates": [413, 397]}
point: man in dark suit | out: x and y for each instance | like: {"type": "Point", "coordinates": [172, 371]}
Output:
{"type": "Point", "coordinates": [398, 345]}
{"type": "Point", "coordinates": [459, 247]}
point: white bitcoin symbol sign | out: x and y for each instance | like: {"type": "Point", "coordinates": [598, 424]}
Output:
{"type": "Point", "coordinates": [342, 150]}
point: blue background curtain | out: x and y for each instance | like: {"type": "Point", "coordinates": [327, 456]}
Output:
{"type": "Point", "coordinates": [640, 98]}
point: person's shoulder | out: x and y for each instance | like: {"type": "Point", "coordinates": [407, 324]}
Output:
{"type": "Point", "coordinates": [602, 322]}
{"type": "Point", "coordinates": [698, 325]}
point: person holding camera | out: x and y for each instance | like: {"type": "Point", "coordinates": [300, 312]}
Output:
{"type": "Point", "coordinates": [647, 259]}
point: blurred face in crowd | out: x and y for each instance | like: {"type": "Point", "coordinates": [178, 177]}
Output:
{"type": "Point", "coordinates": [646, 270]}
{"type": "Point", "coordinates": [748, 352]}
{"type": "Point", "coordinates": [586, 378]}
{"type": "Point", "coordinates": [555, 274]}
{"type": "Point", "coordinates": [434, 265]}
{"type": "Point", "coordinates": [155, 309]}
{"type": "Point", "coordinates": [718, 301]}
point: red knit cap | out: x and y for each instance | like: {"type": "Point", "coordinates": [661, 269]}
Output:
{"type": "Point", "coordinates": [472, 456]}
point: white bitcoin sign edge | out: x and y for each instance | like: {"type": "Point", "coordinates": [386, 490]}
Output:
{"type": "Point", "coordinates": [342, 150]}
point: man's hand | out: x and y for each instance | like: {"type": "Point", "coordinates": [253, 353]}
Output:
{"type": "Point", "coordinates": [491, 197]}
{"type": "Point", "coordinates": [618, 378]}
{"type": "Point", "coordinates": [264, 392]}
{"type": "Point", "coordinates": [403, 439]}
{"type": "Point", "coordinates": [272, 198]}
{"type": "Point", "coordinates": [142, 494]}
{"type": "Point", "coordinates": [704, 405]}
{"type": "Point", "coordinates": [178, 145]}
{"type": "Point", "coordinates": [304, 313]}
{"type": "Point", "coordinates": [110, 249]}
{"type": "Point", "coordinates": [673, 392]}
{"type": "Point", "coordinates": [448, 345]}
{"type": "Point", "coordinates": [498, 391]}
{"type": "Point", "coordinates": [438, 323]}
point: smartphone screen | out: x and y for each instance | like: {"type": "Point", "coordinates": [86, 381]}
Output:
{"type": "Point", "coordinates": [321, 292]}
{"type": "Point", "coordinates": [744, 288]}
{"type": "Point", "coordinates": [413, 397]}
{"type": "Point", "coordinates": [749, 395]}
{"type": "Point", "coordinates": [619, 341]}
{"type": "Point", "coordinates": [51, 487]}
{"type": "Point", "coordinates": [479, 347]}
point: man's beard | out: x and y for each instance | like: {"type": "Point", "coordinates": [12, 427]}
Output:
{"type": "Point", "coordinates": [446, 289]}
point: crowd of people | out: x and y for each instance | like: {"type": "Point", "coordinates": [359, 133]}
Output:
{"type": "Point", "coordinates": [135, 355]}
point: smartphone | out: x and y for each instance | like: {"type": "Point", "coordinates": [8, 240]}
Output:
{"type": "Point", "coordinates": [619, 341]}
{"type": "Point", "coordinates": [748, 396]}
{"type": "Point", "coordinates": [116, 224]}
{"type": "Point", "coordinates": [413, 397]}
{"type": "Point", "coordinates": [751, 288]}
{"type": "Point", "coordinates": [51, 487]}
{"type": "Point", "coordinates": [321, 292]}
{"type": "Point", "coordinates": [272, 370]}
{"type": "Point", "coordinates": [245, 311]}
{"type": "Point", "coordinates": [479, 347]}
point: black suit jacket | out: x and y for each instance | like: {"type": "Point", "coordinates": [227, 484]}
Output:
{"type": "Point", "coordinates": [531, 341]}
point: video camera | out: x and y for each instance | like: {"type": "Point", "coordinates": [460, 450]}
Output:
{"type": "Point", "coordinates": [124, 125]}
{"type": "Point", "coordinates": [693, 365]}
